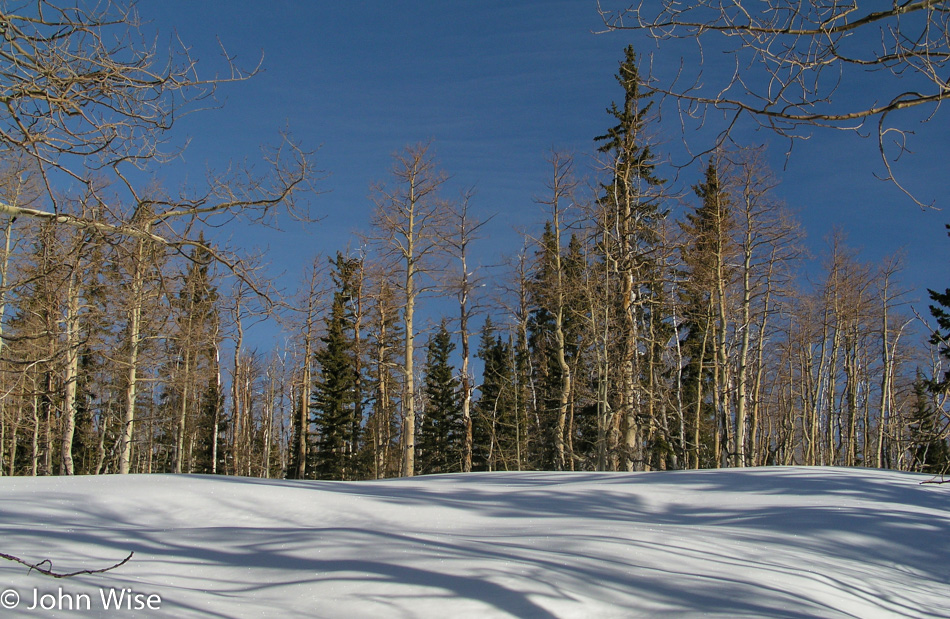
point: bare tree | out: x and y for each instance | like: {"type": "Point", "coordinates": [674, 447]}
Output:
{"type": "Point", "coordinates": [461, 231]}
{"type": "Point", "coordinates": [561, 187]}
{"type": "Point", "coordinates": [407, 224]}
{"type": "Point", "coordinates": [891, 332]}
{"type": "Point", "coordinates": [305, 324]}
{"type": "Point", "coordinates": [89, 103]}
{"type": "Point", "coordinates": [796, 65]}
{"type": "Point", "coordinates": [244, 310]}
{"type": "Point", "coordinates": [382, 331]}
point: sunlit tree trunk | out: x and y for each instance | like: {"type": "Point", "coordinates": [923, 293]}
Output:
{"type": "Point", "coordinates": [70, 371]}
{"type": "Point", "coordinates": [133, 335]}
{"type": "Point", "coordinates": [408, 221]}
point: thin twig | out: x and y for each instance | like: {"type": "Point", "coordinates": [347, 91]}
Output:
{"type": "Point", "coordinates": [49, 570]}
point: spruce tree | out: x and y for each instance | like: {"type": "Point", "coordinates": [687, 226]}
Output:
{"type": "Point", "coordinates": [541, 342]}
{"type": "Point", "coordinates": [941, 336]}
{"type": "Point", "coordinates": [704, 269]}
{"type": "Point", "coordinates": [631, 216]}
{"type": "Point", "coordinates": [928, 448]}
{"type": "Point", "coordinates": [192, 397]}
{"type": "Point", "coordinates": [442, 428]}
{"type": "Point", "coordinates": [929, 443]}
{"type": "Point", "coordinates": [551, 293]}
{"type": "Point", "coordinates": [337, 388]}
{"type": "Point", "coordinates": [496, 424]}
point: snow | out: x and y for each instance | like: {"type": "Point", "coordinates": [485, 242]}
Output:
{"type": "Point", "coordinates": [769, 542]}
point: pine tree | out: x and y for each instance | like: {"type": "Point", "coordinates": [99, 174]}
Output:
{"type": "Point", "coordinates": [34, 344]}
{"type": "Point", "coordinates": [554, 326]}
{"type": "Point", "coordinates": [930, 449]}
{"type": "Point", "coordinates": [633, 164]}
{"type": "Point", "coordinates": [92, 388]}
{"type": "Point", "coordinates": [441, 434]}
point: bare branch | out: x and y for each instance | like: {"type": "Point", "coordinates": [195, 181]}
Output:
{"type": "Point", "coordinates": [800, 65]}
{"type": "Point", "coordinates": [48, 571]}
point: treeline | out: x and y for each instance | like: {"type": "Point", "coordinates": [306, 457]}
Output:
{"type": "Point", "coordinates": [636, 330]}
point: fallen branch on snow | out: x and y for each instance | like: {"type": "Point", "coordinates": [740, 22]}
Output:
{"type": "Point", "coordinates": [49, 569]}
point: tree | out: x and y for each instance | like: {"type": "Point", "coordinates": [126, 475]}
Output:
{"type": "Point", "coordinates": [337, 390]}
{"type": "Point", "coordinates": [385, 338]}
{"type": "Point", "coordinates": [442, 435]}
{"type": "Point", "coordinates": [309, 306]}
{"type": "Point", "coordinates": [408, 221]}
{"type": "Point", "coordinates": [941, 335]}
{"type": "Point", "coordinates": [798, 65]}
{"type": "Point", "coordinates": [939, 386]}
{"type": "Point", "coordinates": [89, 99]}
{"type": "Point", "coordinates": [90, 104]}
{"type": "Point", "coordinates": [496, 432]}
{"type": "Point", "coordinates": [632, 215]}
{"type": "Point", "coordinates": [553, 295]}
{"type": "Point", "coordinates": [462, 230]}
{"type": "Point", "coordinates": [33, 342]}
{"type": "Point", "coordinates": [192, 389]}
{"type": "Point", "coordinates": [707, 254]}
{"type": "Point", "coordinates": [927, 441]}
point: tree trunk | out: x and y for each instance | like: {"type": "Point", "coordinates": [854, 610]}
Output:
{"type": "Point", "coordinates": [70, 371]}
{"type": "Point", "coordinates": [136, 299]}
{"type": "Point", "coordinates": [409, 390]}
{"type": "Point", "coordinates": [183, 409]}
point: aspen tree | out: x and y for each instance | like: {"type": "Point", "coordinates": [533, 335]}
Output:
{"type": "Point", "coordinates": [461, 231]}
{"type": "Point", "coordinates": [409, 216]}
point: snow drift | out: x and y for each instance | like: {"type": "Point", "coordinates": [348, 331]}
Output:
{"type": "Point", "coordinates": [772, 542]}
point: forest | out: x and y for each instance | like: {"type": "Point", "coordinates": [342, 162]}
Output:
{"type": "Point", "coordinates": [647, 325]}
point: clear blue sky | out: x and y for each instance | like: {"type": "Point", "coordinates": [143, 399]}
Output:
{"type": "Point", "coordinates": [496, 84]}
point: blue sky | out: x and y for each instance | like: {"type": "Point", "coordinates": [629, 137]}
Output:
{"type": "Point", "coordinates": [496, 85]}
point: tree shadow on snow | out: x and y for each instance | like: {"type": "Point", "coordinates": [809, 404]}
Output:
{"type": "Point", "coordinates": [847, 515]}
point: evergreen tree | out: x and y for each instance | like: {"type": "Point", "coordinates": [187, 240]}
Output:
{"type": "Point", "coordinates": [928, 447]}
{"type": "Point", "coordinates": [633, 164]}
{"type": "Point", "coordinates": [704, 275]}
{"type": "Point", "coordinates": [191, 397]}
{"type": "Point", "coordinates": [541, 343]}
{"type": "Point", "coordinates": [496, 424]}
{"type": "Point", "coordinates": [92, 389]}
{"type": "Point", "coordinates": [33, 341]}
{"type": "Point", "coordinates": [337, 390]}
{"type": "Point", "coordinates": [211, 426]}
{"type": "Point", "coordinates": [929, 441]}
{"type": "Point", "coordinates": [442, 427]}
{"type": "Point", "coordinates": [941, 337]}
{"type": "Point", "coordinates": [631, 217]}
{"type": "Point", "coordinates": [549, 293]}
